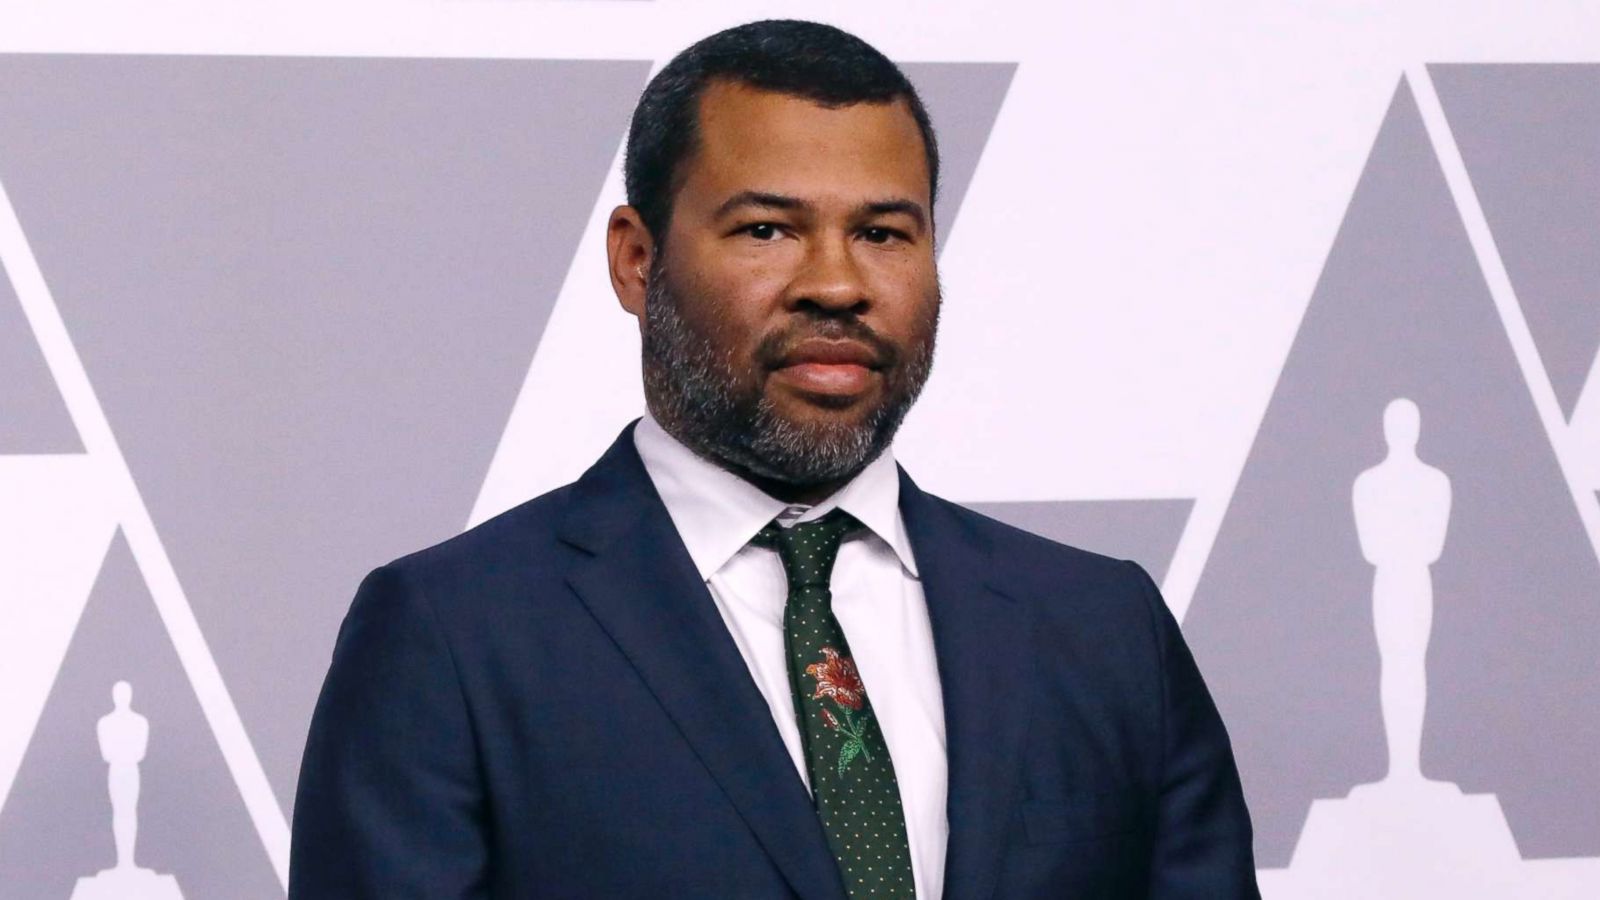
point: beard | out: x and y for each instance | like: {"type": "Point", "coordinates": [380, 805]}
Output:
{"type": "Point", "coordinates": [699, 394]}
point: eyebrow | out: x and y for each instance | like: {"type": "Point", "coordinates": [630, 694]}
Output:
{"type": "Point", "coordinates": [768, 200]}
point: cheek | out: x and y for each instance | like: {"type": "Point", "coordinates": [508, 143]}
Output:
{"type": "Point", "coordinates": [902, 273]}
{"type": "Point", "coordinates": [749, 287]}
{"type": "Point", "coordinates": [731, 267]}
{"type": "Point", "coordinates": [734, 305]}
{"type": "Point", "coordinates": [724, 320]}
{"type": "Point", "coordinates": [909, 308]}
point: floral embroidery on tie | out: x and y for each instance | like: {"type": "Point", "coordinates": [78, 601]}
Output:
{"type": "Point", "coordinates": [838, 680]}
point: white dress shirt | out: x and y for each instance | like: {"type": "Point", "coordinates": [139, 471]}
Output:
{"type": "Point", "coordinates": [877, 598]}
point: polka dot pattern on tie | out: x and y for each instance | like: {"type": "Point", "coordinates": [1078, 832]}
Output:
{"type": "Point", "coordinates": [852, 778]}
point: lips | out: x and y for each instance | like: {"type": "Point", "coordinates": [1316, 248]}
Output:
{"type": "Point", "coordinates": [816, 351]}
{"type": "Point", "coordinates": [837, 369]}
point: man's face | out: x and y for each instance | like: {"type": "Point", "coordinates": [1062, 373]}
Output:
{"type": "Point", "coordinates": [790, 317]}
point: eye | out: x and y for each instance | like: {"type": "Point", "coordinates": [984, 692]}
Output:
{"type": "Point", "coordinates": [878, 234]}
{"type": "Point", "coordinates": [761, 231]}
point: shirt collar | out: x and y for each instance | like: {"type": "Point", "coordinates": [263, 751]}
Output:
{"type": "Point", "coordinates": [717, 513]}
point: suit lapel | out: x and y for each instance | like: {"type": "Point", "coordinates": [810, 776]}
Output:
{"type": "Point", "coordinates": [983, 642]}
{"type": "Point", "coordinates": [639, 582]}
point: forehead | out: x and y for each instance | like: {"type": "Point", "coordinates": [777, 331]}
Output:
{"type": "Point", "coordinates": [752, 139]}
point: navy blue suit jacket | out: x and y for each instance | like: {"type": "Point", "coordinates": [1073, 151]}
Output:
{"type": "Point", "coordinates": [549, 705]}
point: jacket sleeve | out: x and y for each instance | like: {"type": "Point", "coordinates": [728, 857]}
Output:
{"type": "Point", "coordinates": [1203, 837]}
{"type": "Point", "coordinates": [389, 805]}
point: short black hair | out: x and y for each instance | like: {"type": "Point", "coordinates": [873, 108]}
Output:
{"type": "Point", "coordinates": [818, 62]}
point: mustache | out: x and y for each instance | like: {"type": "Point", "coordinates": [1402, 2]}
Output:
{"type": "Point", "coordinates": [773, 348]}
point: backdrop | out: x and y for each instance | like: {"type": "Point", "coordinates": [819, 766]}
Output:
{"type": "Point", "coordinates": [289, 289]}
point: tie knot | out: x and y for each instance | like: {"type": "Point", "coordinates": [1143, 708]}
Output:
{"type": "Point", "coordinates": [809, 548]}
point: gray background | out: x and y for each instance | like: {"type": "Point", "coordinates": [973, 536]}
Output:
{"type": "Point", "coordinates": [306, 292]}
{"type": "Point", "coordinates": [1282, 620]}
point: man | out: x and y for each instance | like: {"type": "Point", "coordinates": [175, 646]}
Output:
{"type": "Point", "coordinates": [744, 656]}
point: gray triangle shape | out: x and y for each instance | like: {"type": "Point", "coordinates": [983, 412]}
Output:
{"type": "Point", "coordinates": [192, 823]}
{"type": "Point", "coordinates": [963, 100]}
{"type": "Point", "coordinates": [1530, 138]}
{"type": "Point", "coordinates": [1145, 531]}
{"type": "Point", "coordinates": [33, 418]}
{"type": "Point", "coordinates": [307, 291]}
{"type": "Point", "coordinates": [1282, 618]}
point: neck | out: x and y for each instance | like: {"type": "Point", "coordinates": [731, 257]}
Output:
{"type": "Point", "coordinates": [808, 494]}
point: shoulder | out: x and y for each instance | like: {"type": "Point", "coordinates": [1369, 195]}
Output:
{"type": "Point", "coordinates": [506, 550]}
{"type": "Point", "coordinates": [1029, 556]}
{"type": "Point", "coordinates": [1057, 579]}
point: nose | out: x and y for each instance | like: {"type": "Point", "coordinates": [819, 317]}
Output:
{"type": "Point", "coordinates": [830, 279]}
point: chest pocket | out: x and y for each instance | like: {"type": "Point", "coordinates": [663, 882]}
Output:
{"type": "Point", "coordinates": [1083, 817]}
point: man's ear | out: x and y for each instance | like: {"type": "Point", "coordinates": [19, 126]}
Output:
{"type": "Point", "coordinates": [629, 250]}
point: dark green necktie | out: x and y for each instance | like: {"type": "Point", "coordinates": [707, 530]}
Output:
{"type": "Point", "coordinates": [852, 778]}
